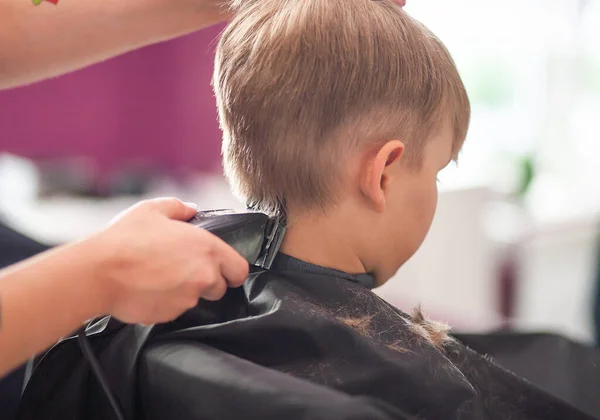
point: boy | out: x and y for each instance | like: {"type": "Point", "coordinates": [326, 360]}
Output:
{"type": "Point", "coordinates": [340, 114]}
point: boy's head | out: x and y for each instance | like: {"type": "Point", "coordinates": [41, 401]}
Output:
{"type": "Point", "coordinates": [340, 109]}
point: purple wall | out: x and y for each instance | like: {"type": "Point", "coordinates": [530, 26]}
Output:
{"type": "Point", "coordinates": [153, 104]}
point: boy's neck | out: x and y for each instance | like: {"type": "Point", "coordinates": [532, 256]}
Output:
{"type": "Point", "coordinates": [322, 240]}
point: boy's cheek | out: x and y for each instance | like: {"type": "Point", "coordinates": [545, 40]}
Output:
{"type": "Point", "coordinates": [424, 203]}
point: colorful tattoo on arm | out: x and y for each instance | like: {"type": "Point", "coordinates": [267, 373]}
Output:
{"type": "Point", "coordinates": [38, 2]}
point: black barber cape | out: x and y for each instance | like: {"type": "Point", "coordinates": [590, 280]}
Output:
{"type": "Point", "coordinates": [295, 342]}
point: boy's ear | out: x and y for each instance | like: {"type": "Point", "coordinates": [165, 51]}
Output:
{"type": "Point", "coordinates": [375, 178]}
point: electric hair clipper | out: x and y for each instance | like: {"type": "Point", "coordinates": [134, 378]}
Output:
{"type": "Point", "coordinates": [254, 235]}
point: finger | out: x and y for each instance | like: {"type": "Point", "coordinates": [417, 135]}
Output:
{"type": "Point", "coordinates": [216, 291]}
{"type": "Point", "coordinates": [173, 208]}
{"type": "Point", "coordinates": [204, 282]}
{"type": "Point", "coordinates": [234, 267]}
{"type": "Point", "coordinates": [400, 3]}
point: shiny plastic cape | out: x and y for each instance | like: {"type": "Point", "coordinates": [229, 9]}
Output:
{"type": "Point", "coordinates": [562, 367]}
{"type": "Point", "coordinates": [289, 344]}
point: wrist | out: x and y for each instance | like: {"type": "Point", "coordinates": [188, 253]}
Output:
{"type": "Point", "coordinates": [100, 262]}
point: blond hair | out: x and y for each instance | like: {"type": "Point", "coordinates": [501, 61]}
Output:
{"type": "Point", "coordinates": [301, 83]}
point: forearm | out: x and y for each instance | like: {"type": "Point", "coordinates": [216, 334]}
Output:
{"type": "Point", "coordinates": [45, 41]}
{"type": "Point", "coordinates": [45, 298]}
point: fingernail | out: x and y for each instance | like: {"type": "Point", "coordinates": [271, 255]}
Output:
{"type": "Point", "coordinates": [192, 205]}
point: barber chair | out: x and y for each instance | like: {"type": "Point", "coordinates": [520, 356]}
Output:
{"type": "Point", "coordinates": [561, 367]}
{"type": "Point", "coordinates": [14, 247]}
{"type": "Point", "coordinates": [597, 296]}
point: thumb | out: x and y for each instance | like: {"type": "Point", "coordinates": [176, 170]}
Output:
{"type": "Point", "coordinates": [173, 208]}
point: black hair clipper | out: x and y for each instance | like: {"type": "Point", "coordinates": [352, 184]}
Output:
{"type": "Point", "coordinates": [254, 235]}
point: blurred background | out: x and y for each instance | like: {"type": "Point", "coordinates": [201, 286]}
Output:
{"type": "Point", "coordinates": [514, 243]}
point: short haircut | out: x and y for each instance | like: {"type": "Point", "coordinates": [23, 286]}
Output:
{"type": "Point", "coordinates": [301, 83]}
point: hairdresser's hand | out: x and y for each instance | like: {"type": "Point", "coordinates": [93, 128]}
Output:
{"type": "Point", "coordinates": [400, 3]}
{"type": "Point", "coordinates": [157, 266]}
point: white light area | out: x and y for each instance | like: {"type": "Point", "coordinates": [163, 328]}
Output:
{"type": "Point", "coordinates": [532, 71]}
{"type": "Point", "coordinates": [18, 181]}
{"type": "Point", "coordinates": [590, 28]}
{"type": "Point", "coordinates": [477, 26]}
{"type": "Point", "coordinates": [60, 219]}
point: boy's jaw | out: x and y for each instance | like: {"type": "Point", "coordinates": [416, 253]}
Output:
{"type": "Point", "coordinates": [344, 238]}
